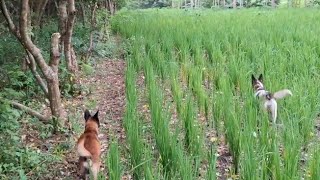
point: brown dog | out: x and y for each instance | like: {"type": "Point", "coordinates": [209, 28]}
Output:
{"type": "Point", "coordinates": [88, 146]}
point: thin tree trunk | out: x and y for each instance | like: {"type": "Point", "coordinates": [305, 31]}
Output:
{"type": "Point", "coordinates": [53, 83]}
{"type": "Point", "coordinates": [67, 16]}
{"type": "Point", "coordinates": [111, 7]}
{"type": "Point", "coordinates": [68, 49]}
{"type": "Point", "coordinates": [33, 68]}
{"type": "Point", "coordinates": [83, 14]}
{"type": "Point", "coordinates": [93, 27]}
{"type": "Point", "coordinates": [43, 8]}
{"type": "Point", "coordinates": [234, 4]}
{"type": "Point", "coordinates": [63, 15]}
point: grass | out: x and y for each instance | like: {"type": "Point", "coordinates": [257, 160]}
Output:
{"type": "Point", "coordinates": [201, 63]}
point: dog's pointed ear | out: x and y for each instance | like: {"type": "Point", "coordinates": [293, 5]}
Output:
{"type": "Point", "coordinates": [253, 79]}
{"type": "Point", "coordinates": [96, 118]}
{"type": "Point", "coordinates": [96, 115]}
{"type": "Point", "coordinates": [87, 114]}
{"type": "Point", "coordinates": [260, 78]}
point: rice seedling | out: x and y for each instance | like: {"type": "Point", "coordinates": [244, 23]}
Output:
{"type": "Point", "coordinates": [113, 162]}
{"type": "Point", "coordinates": [132, 124]}
{"type": "Point", "coordinates": [159, 121]}
{"type": "Point", "coordinates": [206, 58]}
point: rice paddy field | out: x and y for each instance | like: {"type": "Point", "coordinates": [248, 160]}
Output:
{"type": "Point", "coordinates": [191, 111]}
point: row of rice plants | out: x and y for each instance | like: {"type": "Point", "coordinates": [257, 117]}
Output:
{"type": "Point", "coordinates": [133, 126]}
{"type": "Point", "coordinates": [172, 156]}
{"type": "Point", "coordinates": [229, 46]}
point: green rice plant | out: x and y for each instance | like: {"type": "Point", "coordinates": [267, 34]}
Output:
{"type": "Point", "coordinates": [212, 158]}
{"type": "Point", "coordinates": [176, 90]}
{"type": "Point", "coordinates": [193, 137]}
{"type": "Point", "coordinates": [184, 163]}
{"type": "Point", "coordinates": [132, 124]}
{"type": "Point", "coordinates": [113, 162]}
{"type": "Point", "coordinates": [313, 171]}
{"type": "Point", "coordinates": [232, 123]}
{"type": "Point", "coordinates": [159, 121]}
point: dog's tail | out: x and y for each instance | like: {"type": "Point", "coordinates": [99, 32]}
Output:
{"type": "Point", "coordinates": [282, 93]}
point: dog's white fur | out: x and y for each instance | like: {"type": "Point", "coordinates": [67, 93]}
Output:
{"type": "Point", "coordinates": [269, 99]}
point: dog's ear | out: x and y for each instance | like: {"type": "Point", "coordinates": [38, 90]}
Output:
{"type": "Point", "coordinates": [96, 115]}
{"type": "Point", "coordinates": [253, 79]}
{"type": "Point", "coordinates": [87, 115]}
{"type": "Point", "coordinates": [260, 78]}
{"type": "Point", "coordinates": [96, 118]}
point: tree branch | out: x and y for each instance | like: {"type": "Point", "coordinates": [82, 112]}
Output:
{"type": "Point", "coordinates": [6, 15]}
{"type": "Point", "coordinates": [26, 109]}
{"type": "Point", "coordinates": [28, 44]}
{"type": "Point", "coordinates": [32, 65]}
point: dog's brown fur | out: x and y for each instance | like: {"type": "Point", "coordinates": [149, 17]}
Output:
{"type": "Point", "coordinates": [88, 146]}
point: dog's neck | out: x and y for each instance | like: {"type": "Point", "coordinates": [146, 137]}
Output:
{"type": "Point", "coordinates": [92, 126]}
{"type": "Point", "coordinates": [261, 92]}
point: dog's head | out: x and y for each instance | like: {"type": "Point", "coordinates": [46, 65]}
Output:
{"type": "Point", "coordinates": [92, 121]}
{"type": "Point", "coordinates": [257, 84]}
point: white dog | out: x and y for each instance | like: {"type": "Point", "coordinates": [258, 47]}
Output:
{"type": "Point", "coordinates": [269, 99]}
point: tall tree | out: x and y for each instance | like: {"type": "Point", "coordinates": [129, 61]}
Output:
{"type": "Point", "coordinates": [49, 70]}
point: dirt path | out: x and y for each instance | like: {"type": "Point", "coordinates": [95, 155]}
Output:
{"type": "Point", "coordinates": [107, 86]}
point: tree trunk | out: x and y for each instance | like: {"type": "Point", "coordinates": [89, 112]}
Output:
{"type": "Point", "coordinates": [83, 13]}
{"type": "Point", "coordinates": [69, 53]}
{"type": "Point", "coordinates": [50, 72]}
{"type": "Point", "coordinates": [93, 27]}
{"type": "Point", "coordinates": [38, 8]}
{"type": "Point", "coordinates": [234, 4]}
{"type": "Point", "coordinates": [111, 7]}
{"type": "Point", "coordinates": [63, 15]}
{"type": "Point", "coordinates": [53, 83]}
{"type": "Point", "coordinates": [43, 8]}
{"type": "Point", "coordinates": [67, 16]}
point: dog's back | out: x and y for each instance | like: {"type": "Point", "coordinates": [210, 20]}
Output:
{"type": "Point", "coordinates": [88, 146]}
